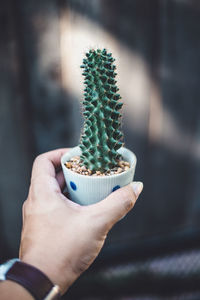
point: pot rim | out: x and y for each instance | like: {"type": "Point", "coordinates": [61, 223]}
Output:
{"type": "Point", "coordinates": [63, 161]}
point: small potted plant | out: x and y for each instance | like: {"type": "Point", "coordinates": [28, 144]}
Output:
{"type": "Point", "coordinates": [100, 164]}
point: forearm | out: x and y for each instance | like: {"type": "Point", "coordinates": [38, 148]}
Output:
{"type": "Point", "coordinates": [12, 290]}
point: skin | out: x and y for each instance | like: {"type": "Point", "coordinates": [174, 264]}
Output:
{"type": "Point", "coordinates": [60, 237]}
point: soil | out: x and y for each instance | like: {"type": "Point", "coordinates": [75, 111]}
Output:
{"type": "Point", "coordinates": [75, 165]}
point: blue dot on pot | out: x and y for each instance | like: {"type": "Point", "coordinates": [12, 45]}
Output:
{"type": "Point", "coordinates": [116, 188]}
{"type": "Point", "coordinates": [73, 185]}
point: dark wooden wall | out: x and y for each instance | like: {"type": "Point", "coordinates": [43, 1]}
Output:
{"type": "Point", "coordinates": [157, 47]}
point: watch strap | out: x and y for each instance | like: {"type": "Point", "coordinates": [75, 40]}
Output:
{"type": "Point", "coordinates": [35, 281]}
{"type": "Point", "coordinates": [5, 267]}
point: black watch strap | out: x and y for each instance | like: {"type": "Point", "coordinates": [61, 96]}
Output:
{"type": "Point", "coordinates": [32, 279]}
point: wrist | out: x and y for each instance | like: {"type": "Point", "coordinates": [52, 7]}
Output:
{"type": "Point", "coordinates": [30, 278]}
{"type": "Point", "coordinates": [62, 277]}
{"type": "Point", "coordinates": [12, 290]}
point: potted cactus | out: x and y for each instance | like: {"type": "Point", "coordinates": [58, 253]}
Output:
{"type": "Point", "coordinates": [100, 164]}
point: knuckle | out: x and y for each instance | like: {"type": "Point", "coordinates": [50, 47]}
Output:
{"type": "Point", "coordinates": [37, 186]}
{"type": "Point", "coordinates": [82, 265]}
{"type": "Point", "coordinates": [128, 203]}
{"type": "Point", "coordinates": [128, 199]}
{"type": "Point", "coordinates": [24, 206]}
{"type": "Point", "coordinates": [38, 158]}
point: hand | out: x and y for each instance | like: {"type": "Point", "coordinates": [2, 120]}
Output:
{"type": "Point", "coordinates": [60, 237]}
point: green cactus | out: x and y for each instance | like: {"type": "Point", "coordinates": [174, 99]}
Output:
{"type": "Point", "coordinates": [101, 136]}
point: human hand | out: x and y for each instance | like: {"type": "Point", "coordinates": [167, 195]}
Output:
{"type": "Point", "coordinates": [60, 237]}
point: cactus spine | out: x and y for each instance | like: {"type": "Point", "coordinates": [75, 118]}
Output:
{"type": "Point", "coordinates": [101, 136]}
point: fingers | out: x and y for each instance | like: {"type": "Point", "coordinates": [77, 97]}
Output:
{"type": "Point", "coordinates": [45, 164]}
{"type": "Point", "coordinates": [60, 179]}
{"type": "Point", "coordinates": [43, 179]}
{"type": "Point", "coordinates": [118, 203]}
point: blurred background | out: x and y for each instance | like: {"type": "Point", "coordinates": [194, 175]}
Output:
{"type": "Point", "coordinates": [154, 253]}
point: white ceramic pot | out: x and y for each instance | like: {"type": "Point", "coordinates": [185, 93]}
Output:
{"type": "Point", "coordinates": [85, 189]}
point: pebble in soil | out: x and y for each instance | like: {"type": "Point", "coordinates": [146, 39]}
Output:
{"type": "Point", "coordinates": [75, 165]}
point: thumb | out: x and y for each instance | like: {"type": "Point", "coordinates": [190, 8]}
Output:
{"type": "Point", "coordinates": [118, 203]}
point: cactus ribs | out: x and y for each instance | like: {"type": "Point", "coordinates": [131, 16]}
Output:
{"type": "Point", "coordinates": [101, 137]}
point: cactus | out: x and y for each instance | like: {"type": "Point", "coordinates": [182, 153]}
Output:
{"type": "Point", "coordinates": [101, 137]}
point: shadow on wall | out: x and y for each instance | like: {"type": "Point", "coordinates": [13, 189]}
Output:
{"type": "Point", "coordinates": [149, 43]}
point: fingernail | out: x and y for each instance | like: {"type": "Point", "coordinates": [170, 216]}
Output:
{"type": "Point", "coordinates": [137, 188]}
